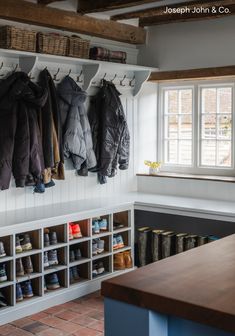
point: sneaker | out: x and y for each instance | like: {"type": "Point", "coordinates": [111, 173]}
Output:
{"type": "Point", "coordinates": [28, 266]}
{"type": "Point", "coordinates": [103, 224]}
{"type": "Point", "coordinates": [3, 273]}
{"type": "Point", "coordinates": [100, 246]}
{"type": "Point", "coordinates": [76, 230]}
{"type": "Point", "coordinates": [94, 248]}
{"type": "Point", "coordinates": [71, 277]}
{"type": "Point", "coordinates": [26, 243]}
{"type": "Point", "coordinates": [118, 225]}
{"type": "Point", "coordinates": [3, 300]}
{"type": "Point", "coordinates": [27, 289]}
{"type": "Point", "coordinates": [46, 240]}
{"type": "Point", "coordinates": [119, 262]}
{"type": "Point", "coordinates": [100, 268]}
{"type": "Point", "coordinates": [19, 267]}
{"type": "Point", "coordinates": [72, 256]}
{"type": "Point", "coordinates": [52, 281]}
{"type": "Point", "coordinates": [95, 270]}
{"type": "Point", "coordinates": [95, 227]}
{"type": "Point", "coordinates": [52, 258]}
{"type": "Point", "coordinates": [78, 254]}
{"type": "Point", "coordinates": [2, 250]}
{"type": "Point", "coordinates": [19, 294]}
{"type": "Point", "coordinates": [45, 260]}
{"type": "Point", "coordinates": [18, 245]}
{"type": "Point", "coordinates": [70, 232]}
{"type": "Point", "coordinates": [128, 259]}
{"type": "Point", "coordinates": [53, 238]}
{"type": "Point", "coordinates": [115, 244]}
{"type": "Point", "coordinates": [120, 242]}
{"type": "Point", "coordinates": [75, 273]}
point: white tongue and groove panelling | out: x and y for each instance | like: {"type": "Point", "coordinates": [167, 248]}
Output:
{"type": "Point", "coordinates": [75, 187]}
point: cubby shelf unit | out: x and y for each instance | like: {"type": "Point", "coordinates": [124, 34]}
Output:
{"type": "Point", "coordinates": [86, 283]}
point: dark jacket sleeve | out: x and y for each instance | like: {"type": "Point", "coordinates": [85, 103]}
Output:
{"type": "Point", "coordinates": [124, 148]}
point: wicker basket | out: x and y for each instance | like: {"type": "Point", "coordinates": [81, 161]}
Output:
{"type": "Point", "coordinates": [78, 47]}
{"type": "Point", "coordinates": [52, 44]}
{"type": "Point", "coordinates": [16, 38]}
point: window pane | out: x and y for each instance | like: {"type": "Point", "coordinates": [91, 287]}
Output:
{"type": "Point", "coordinates": [209, 104]}
{"type": "Point", "coordinates": [171, 124]}
{"type": "Point", "coordinates": [172, 99]}
{"type": "Point", "coordinates": [225, 100]}
{"type": "Point", "coordinates": [186, 101]}
{"type": "Point", "coordinates": [185, 152]}
{"type": "Point", "coordinates": [171, 151]}
{"type": "Point", "coordinates": [185, 129]}
{"type": "Point", "coordinates": [209, 126]}
{"type": "Point", "coordinates": [224, 154]}
{"type": "Point", "coordinates": [225, 127]}
{"type": "Point", "coordinates": [208, 152]}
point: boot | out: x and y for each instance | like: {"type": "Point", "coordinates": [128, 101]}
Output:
{"type": "Point", "coordinates": [168, 246]}
{"type": "Point", "coordinates": [144, 244]}
{"type": "Point", "coordinates": [180, 242]}
{"type": "Point", "coordinates": [201, 240]}
{"type": "Point", "coordinates": [128, 259]}
{"type": "Point", "coordinates": [190, 242]}
{"type": "Point", "coordinates": [119, 262]}
{"type": "Point", "coordinates": [157, 244]}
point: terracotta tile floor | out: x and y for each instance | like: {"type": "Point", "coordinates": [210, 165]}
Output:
{"type": "Point", "coordinates": [80, 317]}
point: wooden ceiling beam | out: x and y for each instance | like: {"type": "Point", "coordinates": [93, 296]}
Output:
{"type": "Point", "coordinates": [85, 6]}
{"type": "Point", "coordinates": [26, 12]}
{"type": "Point", "coordinates": [192, 74]}
{"type": "Point", "coordinates": [182, 12]}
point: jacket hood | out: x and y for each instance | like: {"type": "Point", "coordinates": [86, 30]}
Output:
{"type": "Point", "coordinates": [70, 92]}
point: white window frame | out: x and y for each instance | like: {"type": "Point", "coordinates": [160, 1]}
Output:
{"type": "Point", "coordinates": [195, 168]}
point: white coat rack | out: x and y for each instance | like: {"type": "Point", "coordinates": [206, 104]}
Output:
{"type": "Point", "coordinates": [87, 72]}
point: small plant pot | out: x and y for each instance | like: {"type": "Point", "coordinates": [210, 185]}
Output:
{"type": "Point", "coordinates": [154, 171]}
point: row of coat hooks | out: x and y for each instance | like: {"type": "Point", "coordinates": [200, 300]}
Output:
{"type": "Point", "coordinates": [121, 83]}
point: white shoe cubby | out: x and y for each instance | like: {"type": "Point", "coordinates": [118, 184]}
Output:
{"type": "Point", "coordinates": [84, 265]}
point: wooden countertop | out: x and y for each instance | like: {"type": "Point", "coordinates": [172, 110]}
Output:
{"type": "Point", "coordinates": [197, 285]}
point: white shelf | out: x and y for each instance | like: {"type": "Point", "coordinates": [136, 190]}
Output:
{"type": "Point", "coordinates": [54, 247]}
{"type": "Point", "coordinates": [28, 253]}
{"type": "Point", "coordinates": [79, 262]}
{"type": "Point", "coordinates": [28, 277]}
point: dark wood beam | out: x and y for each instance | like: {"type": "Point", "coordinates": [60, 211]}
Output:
{"type": "Point", "coordinates": [26, 12]}
{"type": "Point", "coordinates": [86, 6]}
{"type": "Point", "coordinates": [183, 12]}
{"type": "Point", "coordinates": [203, 73]}
{"type": "Point", "coordinates": [47, 2]}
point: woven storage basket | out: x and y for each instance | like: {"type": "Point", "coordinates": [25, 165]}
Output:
{"type": "Point", "coordinates": [78, 47]}
{"type": "Point", "coordinates": [52, 44]}
{"type": "Point", "coordinates": [16, 38]}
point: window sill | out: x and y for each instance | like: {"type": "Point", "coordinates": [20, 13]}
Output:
{"type": "Point", "coordinates": [192, 177]}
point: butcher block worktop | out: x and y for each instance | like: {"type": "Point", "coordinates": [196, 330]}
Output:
{"type": "Point", "coordinates": [197, 285]}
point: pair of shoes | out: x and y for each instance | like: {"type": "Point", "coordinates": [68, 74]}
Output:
{"type": "Point", "coordinates": [2, 250]}
{"type": "Point", "coordinates": [50, 258]}
{"type": "Point", "coordinates": [24, 267]}
{"type": "Point", "coordinates": [75, 255]}
{"type": "Point", "coordinates": [73, 274]}
{"type": "Point", "coordinates": [97, 246]}
{"type": "Point", "coordinates": [50, 238]}
{"type": "Point", "coordinates": [118, 242]}
{"type": "Point", "coordinates": [74, 231]}
{"type": "Point", "coordinates": [23, 243]}
{"type": "Point", "coordinates": [99, 225]}
{"type": "Point", "coordinates": [24, 290]}
{"type": "Point", "coordinates": [3, 273]}
{"type": "Point", "coordinates": [123, 260]}
{"type": "Point", "coordinates": [3, 300]}
{"type": "Point", "coordinates": [98, 269]}
{"type": "Point", "coordinates": [52, 281]}
{"type": "Point", "coordinates": [117, 225]}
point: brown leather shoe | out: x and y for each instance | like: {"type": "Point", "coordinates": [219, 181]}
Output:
{"type": "Point", "coordinates": [128, 259]}
{"type": "Point", "coordinates": [119, 262]}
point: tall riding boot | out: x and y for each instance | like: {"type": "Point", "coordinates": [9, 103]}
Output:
{"type": "Point", "coordinates": [202, 240]}
{"type": "Point", "coordinates": [168, 244]}
{"type": "Point", "coordinates": [180, 242]}
{"type": "Point", "coordinates": [190, 242]}
{"type": "Point", "coordinates": [144, 245]}
{"type": "Point", "coordinates": [157, 244]}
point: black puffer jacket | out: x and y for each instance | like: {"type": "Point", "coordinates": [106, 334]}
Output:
{"type": "Point", "coordinates": [110, 132]}
{"type": "Point", "coordinates": [20, 142]}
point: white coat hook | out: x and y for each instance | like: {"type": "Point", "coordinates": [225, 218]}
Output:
{"type": "Point", "coordinates": [79, 76]}
{"type": "Point", "coordinates": [121, 81]}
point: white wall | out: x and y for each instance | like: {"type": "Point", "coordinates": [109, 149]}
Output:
{"type": "Point", "coordinates": [188, 45]}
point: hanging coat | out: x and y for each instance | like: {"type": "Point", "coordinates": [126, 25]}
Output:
{"type": "Point", "coordinates": [77, 138]}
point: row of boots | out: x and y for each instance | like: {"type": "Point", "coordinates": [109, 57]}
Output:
{"type": "Point", "coordinates": [154, 245]}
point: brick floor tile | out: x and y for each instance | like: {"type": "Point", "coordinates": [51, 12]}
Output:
{"type": "Point", "coordinates": [39, 316]}
{"type": "Point", "coordinates": [52, 332]}
{"type": "Point", "coordinates": [82, 309]}
{"type": "Point", "coordinates": [84, 320]}
{"type": "Point", "coordinates": [52, 321]}
{"type": "Point", "coordinates": [68, 315]}
{"type": "Point", "coordinates": [86, 332]}
{"type": "Point", "coordinates": [20, 332]}
{"type": "Point", "coordinates": [35, 327]}
{"type": "Point", "coordinates": [54, 310]}
{"type": "Point", "coordinates": [6, 329]}
{"type": "Point", "coordinates": [69, 327]}
{"type": "Point", "coordinates": [22, 322]}
{"type": "Point", "coordinates": [96, 314]}
{"type": "Point", "coordinates": [98, 325]}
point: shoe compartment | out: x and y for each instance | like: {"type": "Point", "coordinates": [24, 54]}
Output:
{"type": "Point", "coordinates": [100, 228]}
{"type": "Point", "coordinates": [7, 276]}
{"type": "Point", "coordinates": [62, 260]}
{"type": "Point", "coordinates": [126, 238]}
{"type": "Point", "coordinates": [34, 240]}
{"type": "Point", "coordinates": [8, 293]}
{"type": "Point", "coordinates": [97, 265]}
{"type": "Point", "coordinates": [121, 221]}
{"type": "Point", "coordinates": [36, 260]}
{"type": "Point", "coordinates": [62, 278]}
{"type": "Point", "coordinates": [96, 252]}
{"type": "Point", "coordinates": [83, 271]}
{"type": "Point", "coordinates": [57, 235]}
{"type": "Point", "coordinates": [84, 227]}
{"type": "Point", "coordinates": [36, 285]}
{"type": "Point", "coordinates": [85, 248]}
{"type": "Point", "coordinates": [7, 246]}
